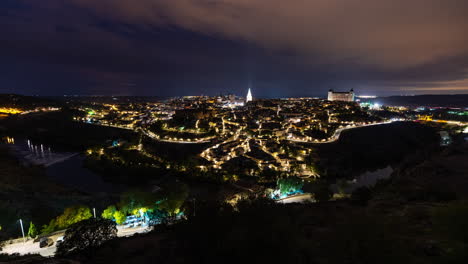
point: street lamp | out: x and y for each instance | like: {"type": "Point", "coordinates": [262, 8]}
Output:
{"type": "Point", "coordinates": [193, 200]}
{"type": "Point", "coordinates": [22, 230]}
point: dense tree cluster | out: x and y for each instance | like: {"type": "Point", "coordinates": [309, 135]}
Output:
{"type": "Point", "coordinates": [85, 236]}
{"type": "Point", "coordinates": [156, 207]}
{"type": "Point", "coordinates": [70, 216]}
{"type": "Point", "coordinates": [289, 185]}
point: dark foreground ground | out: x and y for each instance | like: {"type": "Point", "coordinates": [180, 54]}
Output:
{"type": "Point", "coordinates": [420, 215]}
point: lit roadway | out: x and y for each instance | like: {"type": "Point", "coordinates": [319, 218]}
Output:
{"type": "Point", "coordinates": [300, 198]}
{"type": "Point", "coordinates": [29, 247]}
{"type": "Point", "coordinates": [33, 248]}
{"type": "Point", "coordinates": [156, 137]}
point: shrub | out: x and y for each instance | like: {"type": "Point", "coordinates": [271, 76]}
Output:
{"type": "Point", "coordinates": [85, 236]}
{"type": "Point", "coordinates": [32, 232]}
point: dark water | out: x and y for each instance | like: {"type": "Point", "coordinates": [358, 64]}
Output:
{"type": "Point", "coordinates": [34, 153]}
{"type": "Point", "coordinates": [367, 179]}
{"type": "Point", "coordinates": [72, 173]}
{"type": "Point", "coordinates": [65, 168]}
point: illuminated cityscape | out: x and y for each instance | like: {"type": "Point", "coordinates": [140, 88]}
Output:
{"type": "Point", "coordinates": [197, 131]}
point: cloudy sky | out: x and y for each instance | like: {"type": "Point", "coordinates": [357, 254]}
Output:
{"type": "Point", "coordinates": [191, 47]}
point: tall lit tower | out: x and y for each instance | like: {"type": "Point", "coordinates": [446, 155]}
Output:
{"type": "Point", "coordinates": [249, 96]}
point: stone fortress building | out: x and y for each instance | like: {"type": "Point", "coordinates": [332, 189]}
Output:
{"type": "Point", "coordinates": [341, 96]}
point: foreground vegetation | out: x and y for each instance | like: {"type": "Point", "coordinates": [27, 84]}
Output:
{"type": "Point", "coordinates": [420, 215]}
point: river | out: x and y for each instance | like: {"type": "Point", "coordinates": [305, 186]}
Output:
{"type": "Point", "coordinates": [65, 168]}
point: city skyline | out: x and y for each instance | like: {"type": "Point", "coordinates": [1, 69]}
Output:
{"type": "Point", "coordinates": [234, 131]}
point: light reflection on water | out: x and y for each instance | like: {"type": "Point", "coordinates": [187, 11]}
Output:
{"type": "Point", "coordinates": [63, 167]}
{"type": "Point", "coordinates": [33, 153]}
{"type": "Point", "coordinates": [367, 179]}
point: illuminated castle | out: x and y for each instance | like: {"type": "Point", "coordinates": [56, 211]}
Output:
{"type": "Point", "coordinates": [249, 97]}
{"type": "Point", "coordinates": [341, 96]}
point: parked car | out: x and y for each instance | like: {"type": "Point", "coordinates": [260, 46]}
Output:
{"type": "Point", "coordinates": [45, 242]}
{"type": "Point", "coordinates": [59, 240]}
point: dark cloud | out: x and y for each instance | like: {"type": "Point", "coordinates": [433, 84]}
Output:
{"type": "Point", "coordinates": [295, 47]}
{"type": "Point", "coordinates": [394, 33]}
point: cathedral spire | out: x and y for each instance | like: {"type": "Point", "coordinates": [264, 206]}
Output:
{"type": "Point", "coordinates": [249, 96]}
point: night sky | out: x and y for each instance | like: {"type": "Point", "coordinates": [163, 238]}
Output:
{"type": "Point", "coordinates": [192, 47]}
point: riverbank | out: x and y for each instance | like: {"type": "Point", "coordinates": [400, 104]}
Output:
{"type": "Point", "coordinates": [30, 194]}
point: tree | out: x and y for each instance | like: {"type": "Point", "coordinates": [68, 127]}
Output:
{"type": "Point", "coordinates": [85, 236]}
{"type": "Point", "coordinates": [51, 227]}
{"type": "Point", "coordinates": [108, 213]}
{"type": "Point", "coordinates": [131, 200]}
{"type": "Point", "coordinates": [289, 185]}
{"type": "Point", "coordinates": [312, 162]}
{"type": "Point", "coordinates": [322, 191]}
{"type": "Point", "coordinates": [32, 232]}
{"type": "Point", "coordinates": [155, 216]}
{"type": "Point", "coordinates": [174, 198]}
{"type": "Point", "coordinates": [120, 217]}
{"type": "Point", "coordinates": [73, 215]}
{"type": "Point", "coordinates": [70, 216]}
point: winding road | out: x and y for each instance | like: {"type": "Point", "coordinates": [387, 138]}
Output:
{"type": "Point", "coordinates": [29, 247]}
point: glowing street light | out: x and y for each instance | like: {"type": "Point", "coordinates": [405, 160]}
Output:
{"type": "Point", "coordinates": [22, 230]}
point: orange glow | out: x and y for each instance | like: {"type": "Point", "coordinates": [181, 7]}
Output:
{"type": "Point", "coordinates": [425, 117]}
{"type": "Point", "coordinates": [13, 111]}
